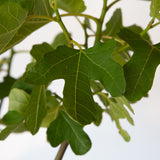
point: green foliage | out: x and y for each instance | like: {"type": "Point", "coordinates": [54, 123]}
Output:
{"type": "Point", "coordinates": [71, 66]}
{"type": "Point", "coordinates": [155, 9]}
{"type": "Point", "coordinates": [18, 100]}
{"type": "Point", "coordinates": [5, 86]}
{"type": "Point", "coordinates": [15, 27]}
{"type": "Point", "coordinates": [74, 134]}
{"type": "Point", "coordinates": [142, 65]}
{"type": "Point", "coordinates": [36, 109]}
{"type": "Point", "coordinates": [105, 69]}
{"type": "Point", "coordinates": [72, 6]}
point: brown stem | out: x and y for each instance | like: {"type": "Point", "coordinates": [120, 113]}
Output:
{"type": "Point", "coordinates": [62, 150]}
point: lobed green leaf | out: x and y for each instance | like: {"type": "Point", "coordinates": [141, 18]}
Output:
{"type": "Point", "coordinates": [65, 129]}
{"type": "Point", "coordinates": [140, 70]}
{"type": "Point", "coordinates": [70, 64]}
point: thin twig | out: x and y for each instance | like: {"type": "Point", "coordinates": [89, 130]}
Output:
{"type": "Point", "coordinates": [62, 150]}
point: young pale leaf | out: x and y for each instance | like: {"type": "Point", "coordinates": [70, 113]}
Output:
{"type": "Point", "coordinates": [125, 135]}
{"type": "Point", "coordinates": [77, 67]}
{"type": "Point", "coordinates": [114, 117]}
{"type": "Point", "coordinates": [155, 9]}
{"type": "Point", "coordinates": [5, 86]}
{"type": "Point", "coordinates": [36, 109]}
{"type": "Point", "coordinates": [18, 100]}
{"type": "Point", "coordinates": [119, 111]}
{"type": "Point", "coordinates": [140, 70]}
{"type": "Point", "coordinates": [15, 27]}
{"type": "Point", "coordinates": [125, 102]}
{"type": "Point", "coordinates": [72, 6]}
{"type": "Point", "coordinates": [65, 129]}
{"type": "Point", "coordinates": [120, 104]}
{"type": "Point", "coordinates": [53, 107]}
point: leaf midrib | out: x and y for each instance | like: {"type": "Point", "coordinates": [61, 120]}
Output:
{"type": "Point", "coordinates": [140, 74]}
{"type": "Point", "coordinates": [75, 133]}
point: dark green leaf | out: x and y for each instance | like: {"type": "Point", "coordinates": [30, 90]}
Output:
{"type": "Point", "coordinates": [8, 130]}
{"type": "Point", "coordinates": [77, 67]}
{"type": "Point", "coordinates": [155, 9]}
{"type": "Point", "coordinates": [99, 117]}
{"type": "Point", "coordinates": [114, 25]}
{"type": "Point", "coordinates": [138, 29]}
{"type": "Point", "coordinates": [14, 122]}
{"type": "Point", "coordinates": [72, 6]}
{"type": "Point", "coordinates": [59, 40]}
{"type": "Point", "coordinates": [5, 86]}
{"type": "Point", "coordinates": [39, 51]}
{"type": "Point", "coordinates": [36, 109]}
{"type": "Point", "coordinates": [65, 129]}
{"type": "Point", "coordinates": [140, 70]}
{"type": "Point", "coordinates": [21, 84]}
{"type": "Point", "coordinates": [18, 100]}
{"type": "Point", "coordinates": [12, 117]}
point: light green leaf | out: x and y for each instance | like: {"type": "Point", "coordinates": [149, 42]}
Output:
{"type": "Point", "coordinates": [18, 100]}
{"type": "Point", "coordinates": [65, 129]}
{"type": "Point", "coordinates": [36, 109]}
{"type": "Point", "coordinates": [77, 68]}
{"type": "Point", "coordinates": [155, 9]}
{"type": "Point", "coordinates": [125, 135]}
{"type": "Point", "coordinates": [72, 6]}
{"type": "Point", "coordinates": [140, 70]}
{"type": "Point", "coordinates": [17, 23]}
{"type": "Point", "coordinates": [120, 104]}
{"type": "Point", "coordinates": [119, 111]}
{"type": "Point", "coordinates": [124, 101]}
{"type": "Point", "coordinates": [53, 107]}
